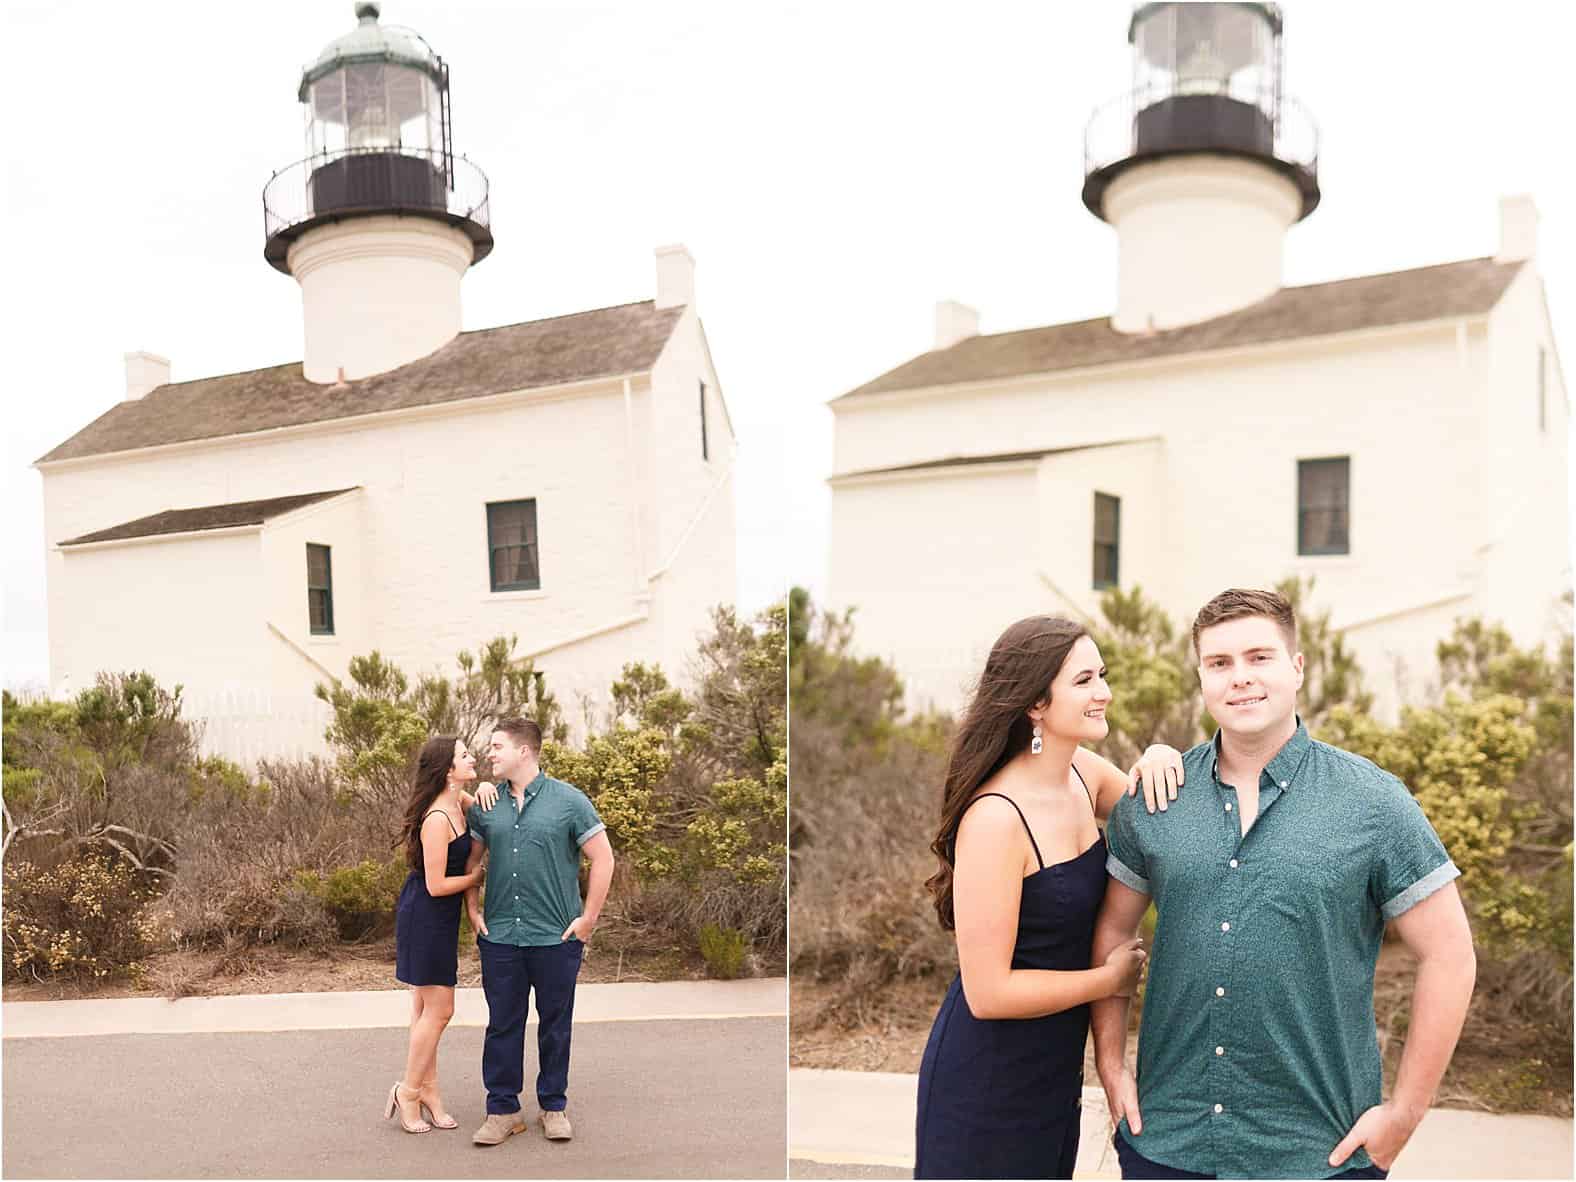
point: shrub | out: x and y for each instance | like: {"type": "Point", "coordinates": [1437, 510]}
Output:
{"type": "Point", "coordinates": [360, 898]}
{"type": "Point", "coordinates": [82, 919]}
{"type": "Point", "coordinates": [1491, 767]}
{"type": "Point", "coordinates": [723, 950]}
{"type": "Point", "coordinates": [239, 857]}
{"type": "Point", "coordinates": [866, 801]}
{"type": "Point", "coordinates": [380, 722]}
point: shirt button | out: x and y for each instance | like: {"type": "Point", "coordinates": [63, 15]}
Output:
{"type": "Point", "coordinates": [1225, 927]}
{"type": "Point", "coordinates": [1220, 991]}
{"type": "Point", "coordinates": [1218, 1110]}
{"type": "Point", "coordinates": [1285, 784]}
{"type": "Point", "coordinates": [1220, 1050]}
{"type": "Point", "coordinates": [1228, 807]}
{"type": "Point", "coordinates": [1233, 863]}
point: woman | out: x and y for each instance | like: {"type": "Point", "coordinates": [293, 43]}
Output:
{"type": "Point", "coordinates": [427, 921]}
{"type": "Point", "coordinates": [1022, 875]}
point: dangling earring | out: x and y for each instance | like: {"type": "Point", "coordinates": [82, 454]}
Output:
{"type": "Point", "coordinates": [1036, 746]}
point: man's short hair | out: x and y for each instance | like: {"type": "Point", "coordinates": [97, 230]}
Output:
{"type": "Point", "coordinates": [523, 731]}
{"type": "Point", "coordinates": [1238, 604]}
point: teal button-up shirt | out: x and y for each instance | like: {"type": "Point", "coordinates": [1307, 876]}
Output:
{"type": "Point", "coordinates": [533, 860]}
{"type": "Point", "coordinates": [1258, 1049]}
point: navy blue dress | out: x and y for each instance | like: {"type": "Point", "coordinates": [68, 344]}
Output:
{"type": "Point", "coordinates": [427, 930]}
{"type": "Point", "coordinates": [998, 1098]}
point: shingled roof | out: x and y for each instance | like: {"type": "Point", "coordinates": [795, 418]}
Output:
{"type": "Point", "coordinates": [587, 345]}
{"type": "Point", "coordinates": [1000, 457]}
{"type": "Point", "coordinates": [1467, 288]}
{"type": "Point", "coordinates": [180, 521]}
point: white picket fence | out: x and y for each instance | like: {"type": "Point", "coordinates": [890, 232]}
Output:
{"type": "Point", "coordinates": [248, 725]}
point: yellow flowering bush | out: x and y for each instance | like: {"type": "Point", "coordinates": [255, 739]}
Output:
{"type": "Point", "coordinates": [85, 918]}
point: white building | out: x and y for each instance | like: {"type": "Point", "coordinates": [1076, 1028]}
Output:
{"type": "Point", "coordinates": [408, 487]}
{"type": "Point", "coordinates": [1400, 437]}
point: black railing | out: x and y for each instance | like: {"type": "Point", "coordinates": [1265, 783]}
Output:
{"type": "Point", "coordinates": [1146, 123]}
{"type": "Point", "coordinates": [363, 181]}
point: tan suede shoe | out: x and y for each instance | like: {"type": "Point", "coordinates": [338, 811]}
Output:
{"type": "Point", "coordinates": [555, 1126]}
{"type": "Point", "coordinates": [499, 1127]}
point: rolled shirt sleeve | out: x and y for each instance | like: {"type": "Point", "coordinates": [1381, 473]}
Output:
{"type": "Point", "coordinates": [1125, 860]}
{"type": "Point", "coordinates": [1411, 862]}
{"type": "Point", "coordinates": [586, 823]}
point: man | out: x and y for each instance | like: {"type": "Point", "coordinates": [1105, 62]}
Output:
{"type": "Point", "coordinates": [1273, 876]}
{"type": "Point", "coordinates": [534, 931]}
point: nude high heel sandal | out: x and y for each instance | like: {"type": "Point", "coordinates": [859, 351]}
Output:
{"type": "Point", "coordinates": [440, 1120]}
{"type": "Point", "coordinates": [397, 1104]}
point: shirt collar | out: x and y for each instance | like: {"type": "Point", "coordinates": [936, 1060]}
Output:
{"type": "Point", "coordinates": [1283, 766]}
{"type": "Point", "coordinates": [533, 787]}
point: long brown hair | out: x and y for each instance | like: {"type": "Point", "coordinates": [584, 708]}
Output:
{"type": "Point", "coordinates": [432, 777]}
{"type": "Point", "coordinates": [1018, 673]}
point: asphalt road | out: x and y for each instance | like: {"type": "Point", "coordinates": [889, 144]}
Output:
{"type": "Point", "coordinates": [663, 1099]}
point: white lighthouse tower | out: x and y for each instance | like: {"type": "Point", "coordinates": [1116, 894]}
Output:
{"type": "Point", "coordinates": [1202, 167]}
{"type": "Point", "coordinates": [380, 221]}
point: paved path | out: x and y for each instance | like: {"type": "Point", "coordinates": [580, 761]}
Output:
{"type": "Point", "coordinates": [681, 1081]}
{"type": "Point", "coordinates": [855, 1124]}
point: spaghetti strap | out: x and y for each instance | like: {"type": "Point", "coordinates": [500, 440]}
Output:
{"type": "Point", "coordinates": [1021, 817]}
{"type": "Point", "coordinates": [445, 816]}
{"type": "Point", "coordinates": [1089, 794]}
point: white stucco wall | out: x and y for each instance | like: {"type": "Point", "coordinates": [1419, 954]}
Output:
{"type": "Point", "coordinates": [1136, 473]}
{"type": "Point", "coordinates": [1197, 236]}
{"type": "Point", "coordinates": [299, 660]}
{"type": "Point", "coordinates": [692, 542]}
{"type": "Point", "coordinates": [937, 565]}
{"type": "Point", "coordinates": [1457, 505]}
{"type": "Point", "coordinates": [187, 609]}
{"type": "Point", "coordinates": [616, 493]}
{"type": "Point", "coordinates": [1525, 557]}
{"type": "Point", "coordinates": [377, 293]}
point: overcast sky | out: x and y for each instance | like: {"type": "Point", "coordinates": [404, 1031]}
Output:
{"type": "Point", "coordinates": [834, 169]}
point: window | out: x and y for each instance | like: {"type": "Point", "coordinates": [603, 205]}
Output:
{"type": "Point", "coordinates": [512, 557]}
{"type": "Point", "coordinates": [1324, 506]}
{"type": "Point", "coordinates": [1107, 539]}
{"type": "Point", "coordinates": [1543, 390]}
{"type": "Point", "coordinates": [319, 591]}
{"type": "Point", "coordinates": [705, 451]}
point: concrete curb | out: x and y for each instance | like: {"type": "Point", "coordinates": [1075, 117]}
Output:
{"type": "Point", "coordinates": [633, 1001]}
{"type": "Point", "coordinates": [1450, 1143]}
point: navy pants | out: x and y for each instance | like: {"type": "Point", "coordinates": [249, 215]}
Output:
{"type": "Point", "coordinates": [1136, 1165]}
{"type": "Point", "coordinates": [509, 974]}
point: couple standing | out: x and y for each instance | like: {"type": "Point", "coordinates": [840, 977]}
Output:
{"type": "Point", "coordinates": [1273, 874]}
{"type": "Point", "coordinates": [533, 830]}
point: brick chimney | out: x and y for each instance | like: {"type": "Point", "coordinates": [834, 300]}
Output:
{"type": "Point", "coordinates": [145, 372]}
{"type": "Point", "coordinates": [675, 276]}
{"type": "Point", "coordinates": [1518, 229]}
{"type": "Point", "coordinates": [955, 322]}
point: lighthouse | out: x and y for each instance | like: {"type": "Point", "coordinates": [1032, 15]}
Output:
{"type": "Point", "coordinates": [1202, 166]}
{"type": "Point", "coordinates": [380, 220]}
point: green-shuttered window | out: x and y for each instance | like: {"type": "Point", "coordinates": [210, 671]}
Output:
{"type": "Point", "coordinates": [319, 590]}
{"type": "Point", "coordinates": [1324, 497]}
{"type": "Point", "coordinates": [1107, 540]}
{"type": "Point", "coordinates": [513, 559]}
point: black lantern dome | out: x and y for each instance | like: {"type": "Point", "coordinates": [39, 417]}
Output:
{"type": "Point", "coordinates": [1206, 79]}
{"type": "Point", "coordinates": [378, 141]}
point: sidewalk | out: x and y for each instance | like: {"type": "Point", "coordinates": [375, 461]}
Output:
{"type": "Point", "coordinates": [632, 1001]}
{"type": "Point", "coordinates": [855, 1118]}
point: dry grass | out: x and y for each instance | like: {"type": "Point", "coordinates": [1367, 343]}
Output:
{"type": "Point", "coordinates": [862, 822]}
